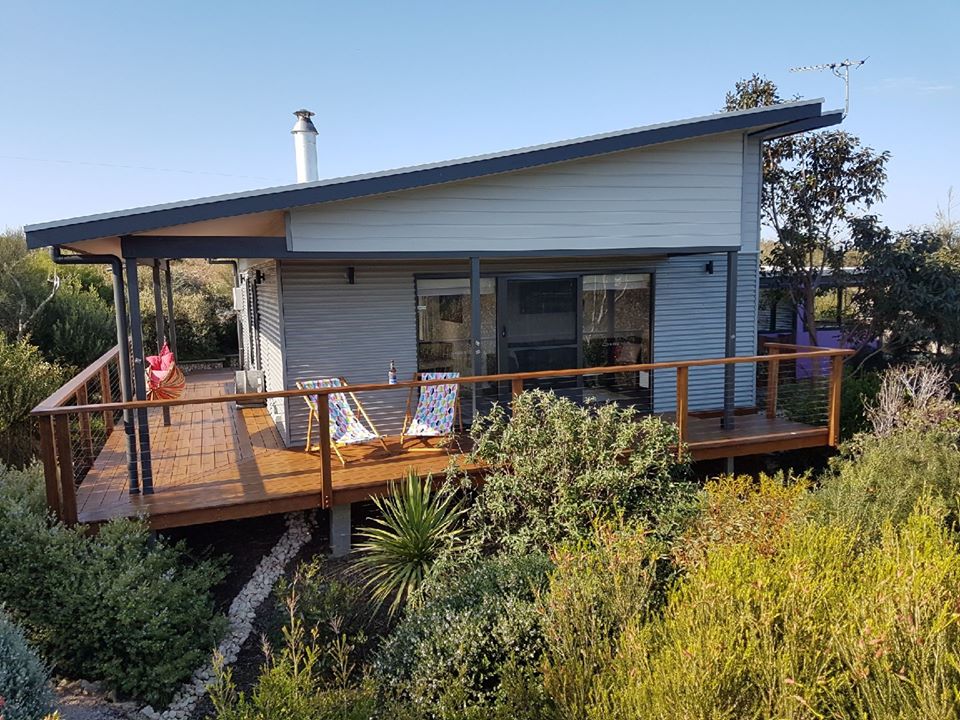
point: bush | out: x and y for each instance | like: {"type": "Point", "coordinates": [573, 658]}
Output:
{"type": "Point", "coordinates": [24, 681]}
{"type": "Point", "coordinates": [820, 629]}
{"type": "Point", "coordinates": [740, 509]}
{"type": "Point", "coordinates": [290, 683]}
{"type": "Point", "coordinates": [913, 396]}
{"type": "Point", "coordinates": [25, 379]}
{"type": "Point", "coordinates": [858, 392]}
{"type": "Point", "coordinates": [880, 479]}
{"type": "Point", "coordinates": [117, 606]}
{"type": "Point", "coordinates": [472, 648]}
{"type": "Point", "coordinates": [79, 327]}
{"type": "Point", "coordinates": [321, 601]}
{"type": "Point", "coordinates": [558, 466]}
{"type": "Point", "coordinates": [597, 588]}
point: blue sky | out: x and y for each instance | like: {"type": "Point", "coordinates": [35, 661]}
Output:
{"type": "Point", "coordinates": [195, 98]}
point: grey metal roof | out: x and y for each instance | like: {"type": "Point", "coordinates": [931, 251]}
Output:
{"type": "Point", "coordinates": [775, 120]}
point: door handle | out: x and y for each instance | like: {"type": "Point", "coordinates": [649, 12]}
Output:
{"type": "Point", "coordinates": [503, 331]}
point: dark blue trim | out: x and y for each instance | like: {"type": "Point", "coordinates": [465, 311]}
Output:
{"type": "Point", "coordinates": [834, 117]}
{"type": "Point", "coordinates": [285, 198]}
{"type": "Point", "coordinates": [142, 246]}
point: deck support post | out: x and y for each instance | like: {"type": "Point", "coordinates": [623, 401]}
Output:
{"type": "Point", "coordinates": [126, 393]}
{"type": "Point", "coordinates": [340, 530]}
{"type": "Point", "coordinates": [161, 324]}
{"type": "Point", "coordinates": [139, 377]}
{"type": "Point", "coordinates": [475, 330]}
{"type": "Point", "coordinates": [730, 345]}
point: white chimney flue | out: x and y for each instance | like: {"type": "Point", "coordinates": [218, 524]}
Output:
{"type": "Point", "coordinates": [305, 143]}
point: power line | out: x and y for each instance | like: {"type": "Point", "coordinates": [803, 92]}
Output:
{"type": "Point", "coordinates": [133, 167]}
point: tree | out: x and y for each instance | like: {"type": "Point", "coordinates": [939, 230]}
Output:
{"type": "Point", "coordinates": [814, 184]}
{"type": "Point", "coordinates": [909, 289]}
{"type": "Point", "coordinates": [24, 293]}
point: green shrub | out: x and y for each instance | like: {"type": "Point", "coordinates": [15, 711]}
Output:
{"type": "Point", "coordinates": [820, 629]}
{"type": "Point", "coordinates": [116, 606]}
{"type": "Point", "coordinates": [79, 327]}
{"type": "Point", "coordinates": [879, 479]}
{"type": "Point", "coordinates": [598, 586]}
{"type": "Point", "coordinates": [558, 466]}
{"type": "Point", "coordinates": [24, 681]}
{"type": "Point", "coordinates": [321, 601]}
{"type": "Point", "coordinates": [472, 647]}
{"type": "Point", "coordinates": [25, 379]}
{"type": "Point", "coordinates": [741, 509]}
{"type": "Point", "coordinates": [858, 392]}
{"type": "Point", "coordinates": [291, 684]}
{"type": "Point", "coordinates": [416, 526]}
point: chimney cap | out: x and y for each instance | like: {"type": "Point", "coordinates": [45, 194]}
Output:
{"type": "Point", "coordinates": [304, 123]}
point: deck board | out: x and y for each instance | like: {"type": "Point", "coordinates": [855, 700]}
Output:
{"type": "Point", "coordinates": [218, 462]}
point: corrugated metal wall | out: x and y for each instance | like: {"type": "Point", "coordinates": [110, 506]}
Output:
{"type": "Point", "coordinates": [334, 328]}
{"type": "Point", "coordinates": [269, 300]}
{"type": "Point", "coordinates": [689, 324]}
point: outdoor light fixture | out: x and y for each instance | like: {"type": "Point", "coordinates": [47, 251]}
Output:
{"type": "Point", "coordinates": [351, 275]}
{"type": "Point", "coordinates": [709, 267]}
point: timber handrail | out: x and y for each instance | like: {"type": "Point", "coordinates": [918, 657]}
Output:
{"type": "Point", "coordinates": [42, 410]}
{"type": "Point", "coordinates": [62, 395]}
{"type": "Point", "coordinates": [58, 454]}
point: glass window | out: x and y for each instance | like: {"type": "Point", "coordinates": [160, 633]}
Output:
{"type": "Point", "coordinates": [616, 331]}
{"type": "Point", "coordinates": [443, 325]}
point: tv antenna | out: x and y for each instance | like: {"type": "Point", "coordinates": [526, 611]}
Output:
{"type": "Point", "coordinates": [841, 70]}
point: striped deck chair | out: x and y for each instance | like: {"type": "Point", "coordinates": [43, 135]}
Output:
{"type": "Point", "coordinates": [345, 427]}
{"type": "Point", "coordinates": [438, 409]}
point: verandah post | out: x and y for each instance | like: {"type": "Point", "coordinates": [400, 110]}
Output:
{"type": "Point", "coordinates": [833, 405]}
{"type": "Point", "coordinates": [161, 325]}
{"type": "Point", "coordinates": [730, 346]}
{"type": "Point", "coordinates": [48, 456]}
{"type": "Point", "coordinates": [683, 381]}
{"type": "Point", "coordinates": [68, 491]}
{"type": "Point", "coordinates": [773, 382]}
{"type": "Point", "coordinates": [323, 428]}
{"type": "Point", "coordinates": [139, 376]}
{"type": "Point", "coordinates": [516, 387]}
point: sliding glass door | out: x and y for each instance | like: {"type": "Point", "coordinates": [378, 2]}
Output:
{"type": "Point", "coordinates": [538, 323]}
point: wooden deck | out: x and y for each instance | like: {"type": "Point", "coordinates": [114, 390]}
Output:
{"type": "Point", "coordinates": [217, 462]}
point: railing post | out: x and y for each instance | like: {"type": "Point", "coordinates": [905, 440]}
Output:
{"type": "Point", "coordinates": [836, 381]}
{"type": "Point", "coordinates": [86, 437]}
{"type": "Point", "coordinates": [106, 396]}
{"type": "Point", "coordinates": [48, 455]}
{"type": "Point", "coordinates": [773, 382]}
{"type": "Point", "coordinates": [683, 381]}
{"type": "Point", "coordinates": [323, 427]}
{"type": "Point", "coordinates": [516, 386]}
{"type": "Point", "coordinates": [68, 492]}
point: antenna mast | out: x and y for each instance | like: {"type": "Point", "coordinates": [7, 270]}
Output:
{"type": "Point", "coordinates": [841, 70]}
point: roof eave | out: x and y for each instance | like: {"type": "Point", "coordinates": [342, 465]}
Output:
{"type": "Point", "coordinates": [152, 218]}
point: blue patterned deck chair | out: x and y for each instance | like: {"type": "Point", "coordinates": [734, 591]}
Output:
{"type": "Point", "coordinates": [438, 409]}
{"type": "Point", "coordinates": [345, 427]}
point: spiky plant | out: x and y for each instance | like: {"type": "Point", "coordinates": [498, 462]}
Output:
{"type": "Point", "coordinates": [398, 550]}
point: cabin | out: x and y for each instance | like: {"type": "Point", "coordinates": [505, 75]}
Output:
{"type": "Point", "coordinates": [621, 267]}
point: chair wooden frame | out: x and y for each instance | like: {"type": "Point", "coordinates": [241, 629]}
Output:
{"type": "Point", "coordinates": [457, 423]}
{"type": "Point", "coordinates": [336, 445]}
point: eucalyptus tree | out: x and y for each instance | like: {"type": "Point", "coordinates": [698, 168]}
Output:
{"type": "Point", "coordinates": [814, 185]}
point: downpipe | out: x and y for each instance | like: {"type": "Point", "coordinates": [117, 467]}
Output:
{"type": "Point", "coordinates": [123, 340]}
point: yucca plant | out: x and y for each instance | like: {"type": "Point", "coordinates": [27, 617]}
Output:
{"type": "Point", "coordinates": [398, 550]}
